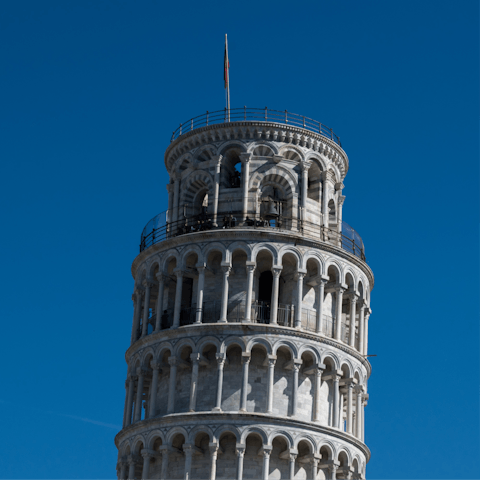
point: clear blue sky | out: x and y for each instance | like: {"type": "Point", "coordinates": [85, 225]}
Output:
{"type": "Point", "coordinates": [90, 92]}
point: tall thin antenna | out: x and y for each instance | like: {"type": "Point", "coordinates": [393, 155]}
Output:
{"type": "Point", "coordinates": [226, 77]}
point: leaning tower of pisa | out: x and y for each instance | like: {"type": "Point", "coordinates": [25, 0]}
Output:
{"type": "Point", "coordinates": [251, 301]}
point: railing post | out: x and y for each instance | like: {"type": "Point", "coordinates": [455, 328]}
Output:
{"type": "Point", "coordinates": [207, 118]}
{"type": "Point", "coordinates": [303, 122]}
{"type": "Point", "coordinates": [286, 117]}
{"type": "Point", "coordinates": [320, 129]}
{"type": "Point", "coordinates": [225, 114]}
{"type": "Point", "coordinates": [191, 124]}
{"type": "Point", "coordinates": [265, 113]}
{"type": "Point", "coordinates": [331, 134]}
{"type": "Point", "coordinates": [180, 129]}
{"type": "Point", "coordinates": [244, 112]}
{"type": "Point", "coordinates": [173, 136]}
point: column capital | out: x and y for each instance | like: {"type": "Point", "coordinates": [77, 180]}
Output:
{"type": "Point", "coordinates": [305, 166]}
{"type": "Point", "coordinates": [339, 186]}
{"type": "Point", "coordinates": [178, 272]}
{"type": "Point", "coordinates": [220, 357]}
{"type": "Point", "coordinates": [341, 287]}
{"type": "Point", "coordinates": [173, 361]}
{"type": "Point", "coordinates": [358, 389]}
{"type": "Point", "coordinates": [132, 378]}
{"type": "Point", "coordinates": [201, 266]}
{"type": "Point", "coordinates": [140, 372]}
{"type": "Point", "coordinates": [245, 157]}
{"type": "Point", "coordinates": [246, 356]}
{"type": "Point", "coordinates": [353, 296]}
{"type": "Point", "coordinates": [213, 447]}
{"type": "Point", "coordinates": [250, 266]}
{"type": "Point", "coordinates": [160, 276]}
{"type": "Point", "coordinates": [277, 270]}
{"type": "Point", "coordinates": [240, 449]}
{"type": "Point", "coordinates": [226, 269]}
{"type": "Point", "coordinates": [155, 365]}
{"type": "Point", "coordinates": [271, 359]}
{"type": "Point", "coordinates": [300, 274]}
{"type": "Point", "coordinates": [195, 357]}
{"type": "Point", "coordinates": [266, 450]}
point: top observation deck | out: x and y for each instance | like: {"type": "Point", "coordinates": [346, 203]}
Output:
{"type": "Point", "coordinates": [255, 115]}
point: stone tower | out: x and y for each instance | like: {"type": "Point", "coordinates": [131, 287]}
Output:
{"type": "Point", "coordinates": [251, 306]}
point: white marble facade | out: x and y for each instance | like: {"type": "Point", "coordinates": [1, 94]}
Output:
{"type": "Point", "coordinates": [251, 308]}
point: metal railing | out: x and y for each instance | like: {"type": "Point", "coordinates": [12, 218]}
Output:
{"type": "Point", "coordinates": [255, 115]}
{"type": "Point", "coordinates": [161, 228]}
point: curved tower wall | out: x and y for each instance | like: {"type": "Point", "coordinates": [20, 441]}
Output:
{"type": "Point", "coordinates": [251, 306]}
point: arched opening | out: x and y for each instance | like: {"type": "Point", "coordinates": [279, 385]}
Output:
{"type": "Point", "coordinates": [261, 300]}
{"type": "Point", "coordinates": [279, 459]}
{"type": "Point", "coordinates": [303, 464]}
{"type": "Point", "coordinates": [327, 394]}
{"type": "Point", "coordinates": [257, 380]}
{"type": "Point", "coordinates": [213, 283]}
{"type": "Point", "coordinates": [156, 461]}
{"type": "Point", "coordinates": [236, 176]}
{"type": "Point", "coordinates": [201, 458]}
{"type": "Point", "coordinates": [283, 382]}
{"type": "Point", "coordinates": [232, 379]}
{"type": "Point", "coordinates": [253, 460]}
{"type": "Point", "coordinates": [207, 379]}
{"type": "Point", "coordinates": [227, 457]}
{"type": "Point", "coordinates": [237, 287]}
{"type": "Point", "coordinates": [325, 463]}
{"type": "Point", "coordinates": [306, 383]}
{"type": "Point", "coordinates": [161, 394]}
{"type": "Point", "coordinates": [176, 458]}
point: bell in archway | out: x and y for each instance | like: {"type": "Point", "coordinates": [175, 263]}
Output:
{"type": "Point", "coordinates": [272, 211]}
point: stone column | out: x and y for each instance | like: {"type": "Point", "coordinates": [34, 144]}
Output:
{"type": "Point", "coordinates": [220, 362]}
{"type": "Point", "coordinates": [240, 450]}
{"type": "Point", "coordinates": [245, 158]}
{"type": "Point", "coordinates": [159, 307]}
{"type": "Point", "coordinates": [165, 456]}
{"type": "Point", "coordinates": [146, 464]}
{"type": "Point", "coordinates": [146, 307]}
{"type": "Point", "coordinates": [178, 298]}
{"type": "Point", "coordinates": [170, 202]}
{"type": "Point", "coordinates": [271, 371]}
{"type": "Point", "coordinates": [136, 315]}
{"type": "Point", "coordinates": [291, 465]}
{"type": "Point", "coordinates": [353, 314]}
{"type": "Point", "coordinates": [325, 198]}
{"type": "Point", "coordinates": [338, 319]}
{"type": "Point", "coordinates": [365, 340]}
{"type": "Point", "coordinates": [138, 399]}
{"type": "Point", "coordinates": [364, 404]}
{"type": "Point", "coordinates": [358, 411]}
{"type": "Point", "coordinates": [131, 388]}
{"type": "Point", "coordinates": [123, 471]}
{"type": "Point", "coordinates": [333, 471]}
{"type": "Point", "coordinates": [223, 312]}
{"type": "Point", "coordinates": [296, 368]}
{"type": "Point", "coordinates": [153, 389]}
{"type": "Point", "coordinates": [248, 302]}
{"type": "Point", "coordinates": [341, 199]}
{"type": "Point", "coordinates": [188, 449]}
{"type": "Point", "coordinates": [243, 395]}
{"type": "Point", "coordinates": [336, 398]}
{"type": "Point", "coordinates": [267, 450]}
{"type": "Point", "coordinates": [216, 188]}
{"type": "Point", "coordinates": [350, 386]}
{"type": "Point", "coordinates": [125, 406]}
{"type": "Point", "coordinates": [361, 329]}
{"type": "Point", "coordinates": [321, 294]}
{"type": "Point", "coordinates": [276, 272]}
{"type": "Point", "coordinates": [213, 449]}
{"type": "Point", "coordinates": [201, 284]}
{"type": "Point", "coordinates": [314, 473]}
{"type": "Point", "coordinates": [131, 467]}
{"type": "Point", "coordinates": [176, 201]}
{"type": "Point", "coordinates": [195, 358]}
{"type": "Point", "coordinates": [173, 361]}
{"type": "Point", "coordinates": [304, 168]}
{"type": "Point", "coordinates": [318, 383]}
{"type": "Point", "coordinates": [299, 276]}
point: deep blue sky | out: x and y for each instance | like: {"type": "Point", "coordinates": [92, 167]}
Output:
{"type": "Point", "coordinates": [90, 92]}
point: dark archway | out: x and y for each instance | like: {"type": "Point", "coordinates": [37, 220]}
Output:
{"type": "Point", "coordinates": [265, 286]}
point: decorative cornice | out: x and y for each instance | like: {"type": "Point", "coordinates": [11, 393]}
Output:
{"type": "Point", "coordinates": [254, 131]}
{"type": "Point", "coordinates": [187, 332]}
{"type": "Point", "coordinates": [240, 419]}
{"type": "Point", "coordinates": [264, 234]}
